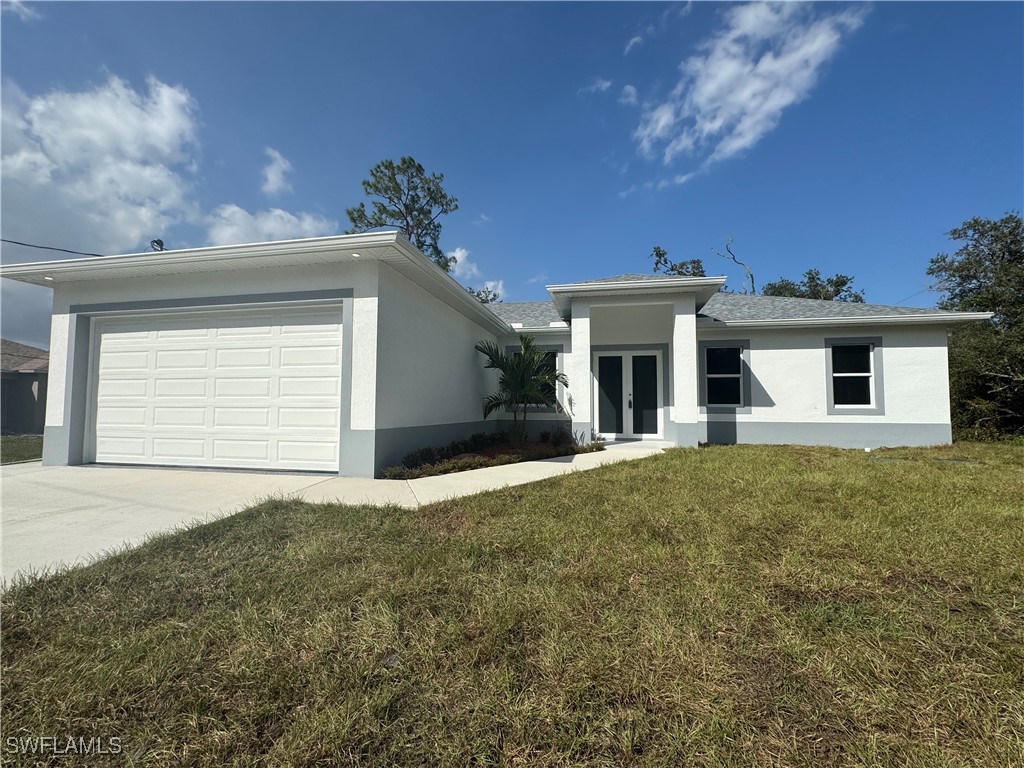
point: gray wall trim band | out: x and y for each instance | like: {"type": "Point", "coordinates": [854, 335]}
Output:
{"type": "Point", "coordinates": [686, 434]}
{"type": "Point", "coordinates": [878, 384]}
{"type": "Point", "coordinates": [702, 378]}
{"type": "Point", "coordinates": [214, 301]}
{"type": "Point", "coordinates": [392, 445]}
{"type": "Point", "coordinates": [55, 446]}
{"type": "Point", "coordinates": [825, 433]}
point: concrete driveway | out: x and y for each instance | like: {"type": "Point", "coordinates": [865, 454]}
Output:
{"type": "Point", "coordinates": [57, 516]}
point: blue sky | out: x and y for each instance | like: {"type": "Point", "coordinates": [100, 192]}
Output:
{"type": "Point", "coordinates": [576, 136]}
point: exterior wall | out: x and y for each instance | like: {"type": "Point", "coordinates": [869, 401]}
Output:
{"type": "Point", "coordinates": [788, 390]}
{"type": "Point", "coordinates": [24, 403]}
{"type": "Point", "coordinates": [624, 324]}
{"type": "Point", "coordinates": [430, 380]}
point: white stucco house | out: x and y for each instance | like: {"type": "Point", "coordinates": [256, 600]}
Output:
{"type": "Point", "coordinates": [342, 354]}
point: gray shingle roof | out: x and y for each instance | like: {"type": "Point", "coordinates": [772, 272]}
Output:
{"type": "Point", "coordinates": [22, 357]}
{"type": "Point", "coordinates": [532, 314]}
{"type": "Point", "coordinates": [735, 307]}
{"type": "Point", "coordinates": [725, 307]}
{"type": "Point", "coordinates": [629, 277]}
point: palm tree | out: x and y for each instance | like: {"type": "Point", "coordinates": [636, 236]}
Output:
{"type": "Point", "coordinates": [526, 378]}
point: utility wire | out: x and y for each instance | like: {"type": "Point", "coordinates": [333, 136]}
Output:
{"type": "Point", "coordinates": [923, 290]}
{"type": "Point", "coordinates": [49, 248]}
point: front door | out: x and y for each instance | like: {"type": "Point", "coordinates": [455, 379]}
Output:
{"type": "Point", "coordinates": [628, 396]}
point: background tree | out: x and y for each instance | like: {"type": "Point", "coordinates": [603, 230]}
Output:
{"type": "Point", "coordinates": [485, 295]}
{"type": "Point", "coordinates": [526, 378]}
{"type": "Point", "coordinates": [662, 263]}
{"type": "Point", "coordinates": [986, 360]}
{"type": "Point", "coordinates": [410, 199]}
{"type": "Point", "coordinates": [814, 286]}
{"type": "Point", "coordinates": [749, 286]}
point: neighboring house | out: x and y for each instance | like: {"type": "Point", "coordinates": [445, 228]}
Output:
{"type": "Point", "coordinates": [22, 388]}
{"type": "Point", "coordinates": [342, 354]}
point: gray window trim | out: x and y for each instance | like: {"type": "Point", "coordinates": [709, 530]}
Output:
{"type": "Point", "coordinates": [559, 350]}
{"type": "Point", "coordinates": [702, 364]}
{"type": "Point", "coordinates": [877, 379]}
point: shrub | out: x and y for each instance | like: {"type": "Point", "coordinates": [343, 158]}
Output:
{"type": "Point", "coordinates": [545, 437]}
{"type": "Point", "coordinates": [562, 436]}
{"type": "Point", "coordinates": [447, 466]}
{"type": "Point", "coordinates": [420, 457]}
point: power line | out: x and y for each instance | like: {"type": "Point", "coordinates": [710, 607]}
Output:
{"type": "Point", "coordinates": [49, 248]}
{"type": "Point", "coordinates": [923, 290]}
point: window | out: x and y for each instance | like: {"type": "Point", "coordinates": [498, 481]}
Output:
{"type": "Point", "coordinates": [852, 374]}
{"type": "Point", "coordinates": [551, 365]}
{"type": "Point", "coordinates": [724, 374]}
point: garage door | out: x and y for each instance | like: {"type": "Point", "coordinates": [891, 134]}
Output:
{"type": "Point", "coordinates": [253, 389]}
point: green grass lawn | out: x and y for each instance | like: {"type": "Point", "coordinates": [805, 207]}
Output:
{"type": "Point", "coordinates": [734, 606]}
{"type": "Point", "coordinates": [20, 448]}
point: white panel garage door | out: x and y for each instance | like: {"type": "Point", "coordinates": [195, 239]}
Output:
{"type": "Point", "coordinates": [229, 388]}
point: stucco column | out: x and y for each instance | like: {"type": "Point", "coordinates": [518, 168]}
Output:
{"type": "Point", "coordinates": [684, 372]}
{"type": "Point", "coordinates": [359, 379]}
{"type": "Point", "coordinates": [67, 377]}
{"type": "Point", "coordinates": [580, 384]}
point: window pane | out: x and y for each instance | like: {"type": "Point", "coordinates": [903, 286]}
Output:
{"type": "Point", "coordinates": [851, 390]}
{"type": "Point", "coordinates": [723, 359]}
{"type": "Point", "coordinates": [725, 391]}
{"type": "Point", "coordinates": [609, 394]}
{"type": "Point", "coordinates": [851, 358]}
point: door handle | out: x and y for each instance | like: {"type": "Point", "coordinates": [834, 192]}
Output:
{"type": "Point", "coordinates": [630, 401]}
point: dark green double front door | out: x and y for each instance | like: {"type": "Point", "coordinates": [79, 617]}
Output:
{"type": "Point", "coordinates": [628, 394]}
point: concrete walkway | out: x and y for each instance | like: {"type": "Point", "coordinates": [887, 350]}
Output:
{"type": "Point", "coordinates": [56, 516]}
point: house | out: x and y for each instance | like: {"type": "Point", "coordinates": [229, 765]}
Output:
{"type": "Point", "coordinates": [341, 354]}
{"type": "Point", "coordinates": [22, 388]}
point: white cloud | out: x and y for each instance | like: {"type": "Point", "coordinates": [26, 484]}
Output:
{"type": "Point", "coordinates": [628, 95]}
{"type": "Point", "coordinates": [538, 278]}
{"type": "Point", "coordinates": [675, 181]}
{"type": "Point", "coordinates": [105, 170]}
{"type": "Point", "coordinates": [467, 271]}
{"type": "Point", "coordinates": [20, 9]}
{"type": "Point", "coordinates": [484, 218]}
{"type": "Point", "coordinates": [600, 85]}
{"type": "Point", "coordinates": [633, 43]}
{"type": "Point", "coordinates": [627, 192]}
{"type": "Point", "coordinates": [230, 224]}
{"type": "Point", "coordinates": [767, 57]}
{"type": "Point", "coordinates": [274, 182]}
{"type": "Point", "coordinates": [463, 268]}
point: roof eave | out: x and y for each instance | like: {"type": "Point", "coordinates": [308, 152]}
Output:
{"type": "Point", "coordinates": [950, 318]}
{"type": "Point", "coordinates": [93, 267]}
{"type": "Point", "coordinates": [704, 287]}
{"type": "Point", "coordinates": [379, 246]}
